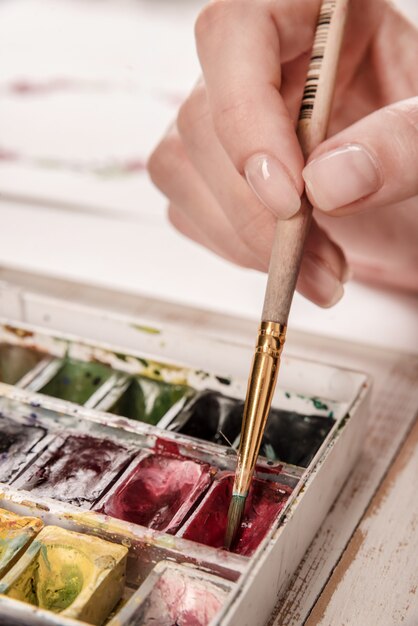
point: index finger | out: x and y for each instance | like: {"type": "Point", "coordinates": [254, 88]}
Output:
{"type": "Point", "coordinates": [241, 46]}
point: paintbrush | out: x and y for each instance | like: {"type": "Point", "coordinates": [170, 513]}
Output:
{"type": "Point", "coordinates": [286, 258]}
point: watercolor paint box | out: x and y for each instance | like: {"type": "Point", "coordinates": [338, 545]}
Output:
{"type": "Point", "coordinates": [133, 441]}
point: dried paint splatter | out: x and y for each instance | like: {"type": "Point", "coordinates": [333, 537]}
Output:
{"type": "Point", "coordinates": [110, 168]}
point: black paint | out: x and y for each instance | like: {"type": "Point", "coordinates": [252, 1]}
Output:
{"type": "Point", "coordinates": [212, 417]}
{"type": "Point", "coordinates": [289, 437]}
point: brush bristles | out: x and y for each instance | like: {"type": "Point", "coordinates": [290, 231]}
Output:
{"type": "Point", "coordinates": [235, 512]}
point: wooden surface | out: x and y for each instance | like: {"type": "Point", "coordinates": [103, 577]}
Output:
{"type": "Point", "coordinates": [384, 548]}
{"type": "Point", "coordinates": [361, 568]}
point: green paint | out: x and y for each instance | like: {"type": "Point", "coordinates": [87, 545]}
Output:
{"type": "Point", "coordinates": [318, 404]}
{"type": "Point", "coordinates": [287, 394]}
{"type": "Point", "coordinates": [146, 329]}
{"type": "Point", "coordinates": [54, 578]}
{"type": "Point", "coordinates": [148, 400]}
{"type": "Point", "coordinates": [16, 361]}
{"type": "Point", "coordinates": [77, 381]}
{"type": "Point", "coordinates": [224, 380]}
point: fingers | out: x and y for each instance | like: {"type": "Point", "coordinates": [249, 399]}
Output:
{"type": "Point", "coordinates": [253, 223]}
{"type": "Point", "coordinates": [239, 50]}
{"type": "Point", "coordinates": [324, 269]}
{"type": "Point", "coordinates": [196, 213]}
{"type": "Point", "coordinates": [173, 173]}
{"type": "Point", "coordinates": [371, 164]}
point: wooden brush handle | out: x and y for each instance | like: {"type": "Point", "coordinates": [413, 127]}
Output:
{"type": "Point", "coordinates": [290, 235]}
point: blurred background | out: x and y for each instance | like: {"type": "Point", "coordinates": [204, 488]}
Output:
{"type": "Point", "coordinates": [87, 88]}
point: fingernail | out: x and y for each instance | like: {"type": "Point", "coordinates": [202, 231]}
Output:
{"type": "Point", "coordinates": [340, 177]}
{"type": "Point", "coordinates": [272, 185]}
{"type": "Point", "coordinates": [319, 282]}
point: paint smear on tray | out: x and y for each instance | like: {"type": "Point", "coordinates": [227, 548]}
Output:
{"type": "Point", "coordinates": [159, 492]}
{"type": "Point", "coordinates": [264, 503]}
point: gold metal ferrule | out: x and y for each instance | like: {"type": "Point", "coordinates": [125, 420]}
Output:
{"type": "Point", "coordinates": [260, 390]}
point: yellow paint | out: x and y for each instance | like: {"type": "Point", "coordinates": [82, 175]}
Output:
{"type": "Point", "coordinates": [16, 532]}
{"type": "Point", "coordinates": [74, 574]}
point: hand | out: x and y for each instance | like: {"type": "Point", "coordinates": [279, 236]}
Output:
{"type": "Point", "coordinates": [231, 165]}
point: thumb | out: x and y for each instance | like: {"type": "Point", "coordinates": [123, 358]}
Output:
{"type": "Point", "coordinates": [372, 163]}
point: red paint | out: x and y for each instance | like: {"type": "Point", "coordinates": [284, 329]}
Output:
{"type": "Point", "coordinates": [264, 503]}
{"type": "Point", "coordinates": [159, 492]}
{"type": "Point", "coordinates": [164, 446]}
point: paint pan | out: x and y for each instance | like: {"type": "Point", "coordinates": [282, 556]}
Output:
{"type": "Point", "coordinates": [148, 400]}
{"type": "Point", "coordinates": [76, 381]}
{"type": "Point", "coordinates": [264, 503]}
{"type": "Point", "coordinates": [294, 438]}
{"type": "Point", "coordinates": [16, 532]}
{"type": "Point", "coordinates": [158, 492]}
{"type": "Point", "coordinates": [16, 361]}
{"type": "Point", "coordinates": [76, 468]}
{"type": "Point", "coordinates": [289, 437]}
{"type": "Point", "coordinates": [17, 441]}
{"type": "Point", "coordinates": [69, 573]}
{"type": "Point", "coordinates": [175, 595]}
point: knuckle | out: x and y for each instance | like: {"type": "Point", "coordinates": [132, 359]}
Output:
{"type": "Point", "coordinates": [257, 231]}
{"type": "Point", "coordinates": [193, 113]}
{"type": "Point", "coordinates": [233, 115]}
{"type": "Point", "coordinates": [209, 17]}
{"type": "Point", "coordinates": [164, 162]}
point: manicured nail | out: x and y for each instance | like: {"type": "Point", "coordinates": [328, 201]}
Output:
{"type": "Point", "coordinates": [340, 177]}
{"type": "Point", "coordinates": [272, 185]}
{"type": "Point", "coordinates": [319, 282]}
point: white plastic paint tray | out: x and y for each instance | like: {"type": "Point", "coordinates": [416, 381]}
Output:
{"type": "Point", "coordinates": [130, 347]}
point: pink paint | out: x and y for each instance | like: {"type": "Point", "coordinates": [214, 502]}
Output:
{"type": "Point", "coordinates": [181, 600]}
{"type": "Point", "coordinates": [28, 87]}
{"type": "Point", "coordinates": [159, 492]}
{"type": "Point", "coordinates": [8, 155]}
{"type": "Point", "coordinates": [264, 503]}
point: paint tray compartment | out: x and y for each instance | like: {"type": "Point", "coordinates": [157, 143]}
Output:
{"type": "Point", "coordinates": [72, 574]}
{"type": "Point", "coordinates": [146, 399]}
{"type": "Point", "coordinates": [19, 442]}
{"type": "Point", "coordinates": [175, 594]}
{"type": "Point", "coordinates": [207, 524]}
{"type": "Point", "coordinates": [320, 408]}
{"type": "Point", "coordinates": [158, 491]}
{"type": "Point", "coordinates": [76, 468]}
{"type": "Point", "coordinates": [16, 361]}
{"type": "Point", "coordinates": [16, 533]}
{"type": "Point", "coordinates": [290, 437]}
{"type": "Point", "coordinates": [72, 380]}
